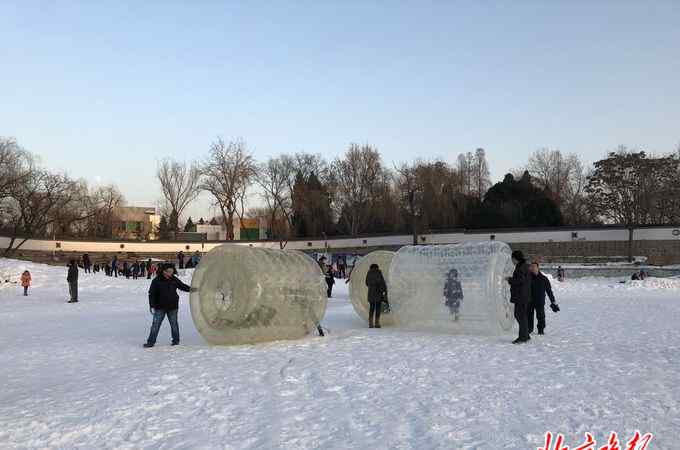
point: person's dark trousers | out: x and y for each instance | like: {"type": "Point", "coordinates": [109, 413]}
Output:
{"type": "Point", "coordinates": [329, 291]}
{"type": "Point", "coordinates": [148, 275]}
{"type": "Point", "coordinates": [539, 310]}
{"type": "Point", "coordinates": [374, 313]}
{"type": "Point", "coordinates": [115, 271]}
{"type": "Point", "coordinates": [73, 290]}
{"type": "Point", "coordinates": [522, 319]}
{"type": "Point", "coordinates": [25, 291]}
{"type": "Point", "coordinates": [158, 316]}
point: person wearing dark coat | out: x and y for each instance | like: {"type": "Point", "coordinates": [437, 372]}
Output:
{"type": "Point", "coordinates": [180, 260]}
{"type": "Point", "coordinates": [520, 293]}
{"type": "Point", "coordinates": [126, 269]}
{"type": "Point", "coordinates": [377, 293]}
{"type": "Point", "coordinates": [330, 280]}
{"type": "Point", "coordinates": [114, 266]}
{"type": "Point", "coordinates": [135, 270]}
{"type": "Point", "coordinates": [164, 301]}
{"type": "Point", "coordinates": [72, 279]}
{"type": "Point", "coordinates": [87, 263]}
{"type": "Point", "coordinates": [540, 286]}
{"type": "Point", "coordinates": [148, 269]}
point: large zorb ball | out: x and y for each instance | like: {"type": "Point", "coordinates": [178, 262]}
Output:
{"type": "Point", "coordinates": [458, 288]}
{"type": "Point", "coordinates": [358, 291]}
{"type": "Point", "coordinates": [246, 295]}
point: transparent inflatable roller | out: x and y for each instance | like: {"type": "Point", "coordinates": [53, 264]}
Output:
{"type": "Point", "coordinates": [458, 288]}
{"type": "Point", "coordinates": [358, 291]}
{"type": "Point", "coordinates": [245, 295]}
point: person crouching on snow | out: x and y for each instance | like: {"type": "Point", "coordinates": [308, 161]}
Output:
{"type": "Point", "coordinates": [377, 292]}
{"type": "Point", "coordinates": [26, 281]}
{"type": "Point", "coordinates": [164, 300]}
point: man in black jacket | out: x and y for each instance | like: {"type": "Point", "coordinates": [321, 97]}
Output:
{"type": "Point", "coordinates": [163, 300]}
{"type": "Point", "coordinates": [540, 285]}
{"type": "Point", "coordinates": [377, 293]}
{"type": "Point", "coordinates": [72, 279]}
{"type": "Point", "coordinates": [520, 291]}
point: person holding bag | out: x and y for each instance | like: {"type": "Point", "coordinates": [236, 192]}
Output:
{"type": "Point", "coordinates": [377, 294]}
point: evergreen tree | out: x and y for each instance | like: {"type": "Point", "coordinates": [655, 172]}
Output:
{"type": "Point", "coordinates": [163, 229]}
{"type": "Point", "coordinates": [516, 203]}
{"type": "Point", "coordinates": [189, 227]}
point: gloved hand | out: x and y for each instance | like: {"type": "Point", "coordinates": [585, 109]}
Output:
{"type": "Point", "coordinates": [554, 307]}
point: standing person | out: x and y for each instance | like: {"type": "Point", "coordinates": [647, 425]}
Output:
{"type": "Point", "coordinates": [453, 293]}
{"type": "Point", "coordinates": [164, 300]}
{"type": "Point", "coordinates": [330, 281]}
{"type": "Point", "coordinates": [135, 270]}
{"type": "Point", "coordinates": [126, 269]}
{"type": "Point", "coordinates": [87, 263]}
{"type": "Point", "coordinates": [180, 259]}
{"type": "Point", "coordinates": [114, 266]}
{"type": "Point", "coordinates": [377, 293]}
{"type": "Point", "coordinates": [520, 288]}
{"type": "Point", "coordinates": [197, 258]}
{"type": "Point", "coordinates": [342, 267]}
{"type": "Point", "coordinates": [72, 279]}
{"type": "Point", "coordinates": [148, 269]}
{"type": "Point", "coordinates": [560, 274]}
{"type": "Point", "coordinates": [26, 281]}
{"type": "Point", "coordinates": [540, 285]}
{"type": "Point", "coordinates": [142, 269]}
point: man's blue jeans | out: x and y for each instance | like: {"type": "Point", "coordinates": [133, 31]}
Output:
{"type": "Point", "coordinates": [158, 316]}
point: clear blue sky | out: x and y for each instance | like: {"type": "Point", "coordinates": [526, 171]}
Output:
{"type": "Point", "coordinates": [103, 89]}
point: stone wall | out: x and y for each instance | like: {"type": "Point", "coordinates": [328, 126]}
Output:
{"type": "Point", "coordinates": [657, 252]}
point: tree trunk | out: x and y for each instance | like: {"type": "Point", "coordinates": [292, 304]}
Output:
{"type": "Point", "coordinates": [630, 243]}
{"type": "Point", "coordinates": [414, 229]}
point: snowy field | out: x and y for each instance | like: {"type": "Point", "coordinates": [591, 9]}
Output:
{"type": "Point", "coordinates": [74, 376]}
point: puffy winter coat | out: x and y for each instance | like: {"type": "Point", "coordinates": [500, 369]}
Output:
{"type": "Point", "coordinates": [26, 279]}
{"type": "Point", "coordinates": [520, 284]}
{"type": "Point", "coordinates": [540, 285]}
{"type": "Point", "coordinates": [72, 273]}
{"type": "Point", "coordinates": [163, 292]}
{"type": "Point", "coordinates": [377, 288]}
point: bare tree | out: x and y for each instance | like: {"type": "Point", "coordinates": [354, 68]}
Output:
{"type": "Point", "coordinates": [227, 173]}
{"type": "Point", "coordinates": [274, 177]}
{"type": "Point", "coordinates": [34, 205]}
{"type": "Point", "coordinates": [629, 188]}
{"type": "Point", "coordinates": [16, 165]}
{"type": "Point", "coordinates": [565, 177]}
{"type": "Point", "coordinates": [410, 188]}
{"type": "Point", "coordinates": [180, 185]}
{"type": "Point", "coordinates": [465, 168]}
{"type": "Point", "coordinates": [357, 179]}
{"type": "Point", "coordinates": [480, 170]}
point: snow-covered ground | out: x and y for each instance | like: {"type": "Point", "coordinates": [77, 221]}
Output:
{"type": "Point", "coordinates": [76, 376]}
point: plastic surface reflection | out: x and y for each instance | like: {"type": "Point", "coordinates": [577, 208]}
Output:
{"type": "Point", "coordinates": [457, 288]}
{"type": "Point", "coordinates": [246, 295]}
